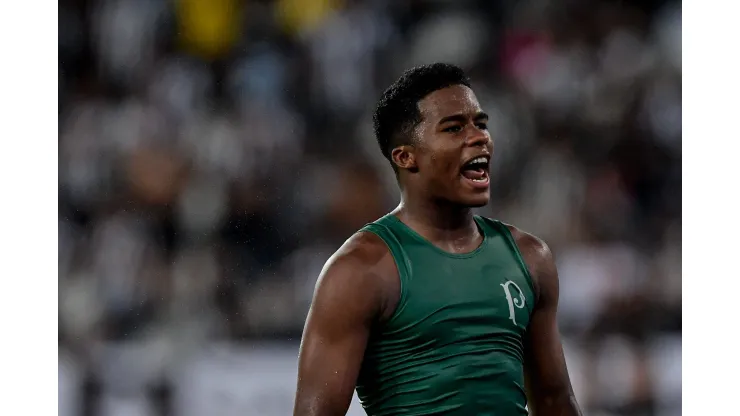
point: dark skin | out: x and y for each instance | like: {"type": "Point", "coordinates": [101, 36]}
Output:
{"type": "Point", "coordinates": [359, 286]}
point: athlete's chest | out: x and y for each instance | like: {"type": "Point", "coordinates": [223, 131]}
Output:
{"type": "Point", "coordinates": [457, 300]}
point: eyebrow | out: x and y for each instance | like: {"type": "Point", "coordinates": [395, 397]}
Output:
{"type": "Point", "coordinates": [481, 116]}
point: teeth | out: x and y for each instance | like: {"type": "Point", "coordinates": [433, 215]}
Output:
{"type": "Point", "coordinates": [481, 159]}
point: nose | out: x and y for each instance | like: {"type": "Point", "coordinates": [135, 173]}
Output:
{"type": "Point", "coordinates": [478, 137]}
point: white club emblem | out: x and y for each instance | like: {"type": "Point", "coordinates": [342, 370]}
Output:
{"type": "Point", "coordinates": [513, 301]}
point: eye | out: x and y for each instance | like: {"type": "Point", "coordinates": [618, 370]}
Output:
{"type": "Point", "coordinates": [452, 129]}
{"type": "Point", "coordinates": [482, 126]}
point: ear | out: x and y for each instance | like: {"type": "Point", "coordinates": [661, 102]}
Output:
{"type": "Point", "coordinates": [404, 158]}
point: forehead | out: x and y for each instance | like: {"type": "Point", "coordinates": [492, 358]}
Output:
{"type": "Point", "coordinates": [457, 99]}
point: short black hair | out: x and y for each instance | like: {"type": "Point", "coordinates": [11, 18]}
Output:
{"type": "Point", "coordinates": [397, 112]}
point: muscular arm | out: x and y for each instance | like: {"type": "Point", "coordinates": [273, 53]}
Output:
{"type": "Point", "coordinates": [347, 300]}
{"type": "Point", "coordinates": [548, 383]}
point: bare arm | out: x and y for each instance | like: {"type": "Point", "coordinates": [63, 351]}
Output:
{"type": "Point", "coordinates": [548, 383]}
{"type": "Point", "coordinates": [346, 302]}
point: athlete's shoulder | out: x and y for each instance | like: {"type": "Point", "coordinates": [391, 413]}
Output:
{"type": "Point", "coordinates": [524, 240]}
{"type": "Point", "coordinates": [357, 272]}
{"type": "Point", "coordinates": [362, 249]}
{"type": "Point", "coordinates": [536, 255]}
{"type": "Point", "coordinates": [530, 243]}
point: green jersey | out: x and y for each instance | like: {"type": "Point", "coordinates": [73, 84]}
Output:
{"type": "Point", "coordinates": [454, 345]}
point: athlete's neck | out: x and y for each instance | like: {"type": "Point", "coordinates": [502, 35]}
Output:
{"type": "Point", "coordinates": [443, 223]}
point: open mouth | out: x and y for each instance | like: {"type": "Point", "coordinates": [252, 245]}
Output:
{"type": "Point", "coordinates": [475, 172]}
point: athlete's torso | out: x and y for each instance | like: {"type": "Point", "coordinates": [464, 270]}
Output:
{"type": "Point", "coordinates": [454, 345]}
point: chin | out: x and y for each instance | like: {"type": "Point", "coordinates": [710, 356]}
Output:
{"type": "Point", "coordinates": [476, 201]}
{"type": "Point", "coordinates": [474, 193]}
{"type": "Point", "coordinates": [478, 204]}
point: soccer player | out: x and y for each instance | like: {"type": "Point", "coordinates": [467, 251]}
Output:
{"type": "Point", "coordinates": [431, 310]}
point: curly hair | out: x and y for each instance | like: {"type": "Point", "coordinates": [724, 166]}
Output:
{"type": "Point", "coordinates": [397, 112]}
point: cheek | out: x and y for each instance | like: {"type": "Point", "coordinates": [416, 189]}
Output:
{"type": "Point", "coordinates": [447, 163]}
{"type": "Point", "coordinates": [438, 164]}
{"type": "Point", "coordinates": [440, 158]}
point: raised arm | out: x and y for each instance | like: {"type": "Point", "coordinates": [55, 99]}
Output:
{"type": "Point", "coordinates": [347, 301]}
{"type": "Point", "coordinates": [548, 383]}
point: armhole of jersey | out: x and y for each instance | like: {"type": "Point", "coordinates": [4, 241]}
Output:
{"type": "Point", "coordinates": [518, 254]}
{"type": "Point", "coordinates": [399, 258]}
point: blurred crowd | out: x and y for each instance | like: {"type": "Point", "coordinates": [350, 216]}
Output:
{"type": "Point", "coordinates": [214, 153]}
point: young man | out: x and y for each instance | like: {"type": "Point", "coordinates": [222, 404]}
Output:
{"type": "Point", "coordinates": [431, 310]}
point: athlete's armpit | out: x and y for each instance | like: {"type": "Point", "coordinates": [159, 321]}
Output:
{"type": "Point", "coordinates": [347, 300]}
{"type": "Point", "coordinates": [548, 384]}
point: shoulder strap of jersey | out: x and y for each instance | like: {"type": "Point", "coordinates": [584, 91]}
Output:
{"type": "Point", "coordinates": [500, 228]}
{"type": "Point", "coordinates": [383, 228]}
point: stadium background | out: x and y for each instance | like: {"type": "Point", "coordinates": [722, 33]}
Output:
{"type": "Point", "coordinates": [212, 154]}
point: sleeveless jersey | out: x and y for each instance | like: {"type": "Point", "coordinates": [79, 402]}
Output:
{"type": "Point", "coordinates": [454, 345]}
